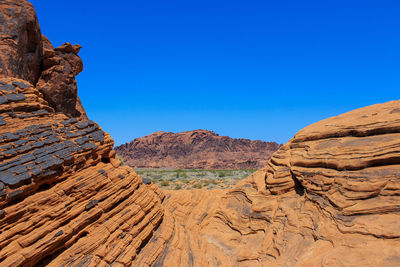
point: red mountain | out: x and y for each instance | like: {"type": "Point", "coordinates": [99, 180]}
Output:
{"type": "Point", "coordinates": [198, 149]}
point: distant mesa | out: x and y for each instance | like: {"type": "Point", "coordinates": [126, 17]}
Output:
{"type": "Point", "coordinates": [197, 149]}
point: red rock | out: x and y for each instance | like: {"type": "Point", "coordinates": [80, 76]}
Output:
{"type": "Point", "coordinates": [26, 54]}
{"type": "Point", "coordinates": [57, 80]}
{"type": "Point", "coordinates": [329, 197]}
{"type": "Point", "coordinates": [20, 41]}
{"type": "Point", "coordinates": [198, 149]}
{"type": "Point", "coordinates": [62, 198]}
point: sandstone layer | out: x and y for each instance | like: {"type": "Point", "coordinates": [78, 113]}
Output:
{"type": "Point", "coordinates": [26, 54]}
{"type": "Point", "coordinates": [329, 197]}
{"type": "Point", "coordinates": [64, 199]}
{"type": "Point", "coordinates": [198, 149]}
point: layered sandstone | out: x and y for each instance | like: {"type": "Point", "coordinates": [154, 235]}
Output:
{"type": "Point", "coordinates": [198, 149]}
{"type": "Point", "coordinates": [26, 54]}
{"type": "Point", "coordinates": [64, 199]}
{"type": "Point", "coordinates": [329, 197]}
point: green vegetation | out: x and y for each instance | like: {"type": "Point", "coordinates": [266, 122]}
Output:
{"type": "Point", "coordinates": [181, 174]}
{"type": "Point", "coordinates": [181, 179]}
{"type": "Point", "coordinates": [177, 187]}
{"type": "Point", "coordinates": [221, 174]}
{"type": "Point", "coordinates": [198, 186]}
{"type": "Point", "coordinates": [165, 182]}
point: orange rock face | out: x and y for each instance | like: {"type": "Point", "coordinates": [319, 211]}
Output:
{"type": "Point", "coordinates": [198, 149]}
{"type": "Point", "coordinates": [329, 197]}
{"type": "Point", "coordinates": [20, 42]}
{"type": "Point", "coordinates": [64, 198]}
{"type": "Point", "coordinates": [26, 54]}
{"type": "Point", "coordinates": [57, 80]}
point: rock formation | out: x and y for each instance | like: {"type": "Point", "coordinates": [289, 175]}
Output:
{"type": "Point", "coordinates": [57, 81]}
{"type": "Point", "coordinates": [198, 149]}
{"type": "Point", "coordinates": [20, 41]}
{"type": "Point", "coordinates": [329, 197]}
{"type": "Point", "coordinates": [26, 54]}
{"type": "Point", "coordinates": [64, 199]}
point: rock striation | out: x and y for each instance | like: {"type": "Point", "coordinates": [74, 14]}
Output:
{"type": "Point", "coordinates": [198, 149]}
{"type": "Point", "coordinates": [64, 198]}
{"type": "Point", "coordinates": [329, 197]}
{"type": "Point", "coordinates": [57, 80]}
{"type": "Point", "coordinates": [26, 54]}
{"type": "Point", "coordinates": [20, 41]}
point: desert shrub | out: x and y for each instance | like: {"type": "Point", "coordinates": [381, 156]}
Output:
{"type": "Point", "coordinates": [178, 187]}
{"type": "Point", "coordinates": [181, 174]}
{"type": "Point", "coordinates": [156, 177]}
{"type": "Point", "coordinates": [221, 174]}
{"type": "Point", "coordinates": [201, 174]}
{"type": "Point", "coordinates": [165, 182]}
{"type": "Point", "coordinates": [198, 186]}
{"type": "Point", "coordinates": [206, 182]}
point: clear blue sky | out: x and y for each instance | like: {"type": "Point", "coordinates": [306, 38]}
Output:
{"type": "Point", "coordinates": [251, 69]}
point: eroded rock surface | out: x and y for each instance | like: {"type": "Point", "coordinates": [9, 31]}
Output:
{"type": "Point", "coordinates": [57, 80]}
{"type": "Point", "coordinates": [329, 197]}
{"type": "Point", "coordinates": [26, 54]}
{"type": "Point", "coordinates": [20, 41]}
{"type": "Point", "coordinates": [197, 149]}
{"type": "Point", "coordinates": [64, 199]}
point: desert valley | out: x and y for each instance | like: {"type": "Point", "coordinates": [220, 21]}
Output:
{"type": "Point", "coordinates": [328, 197]}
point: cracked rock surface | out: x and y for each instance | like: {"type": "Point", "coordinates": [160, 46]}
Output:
{"type": "Point", "coordinates": [64, 198]}
{"type": "Point", "coordinates": [329, 197]}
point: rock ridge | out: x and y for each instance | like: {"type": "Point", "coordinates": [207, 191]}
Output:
{"type": "Point", "coordinates": [64, 198]}
{"type": "Point", "coordinates": [26, 54]}
{"type": "Point", "coordinates": [196, 149]}
{"type": "Point", "coordinates": [328, 197]}
{"type": "Point", "coordinates": [298, 210]}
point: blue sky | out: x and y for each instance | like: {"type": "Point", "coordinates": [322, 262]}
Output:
{"type": "Point", "coordinates": [247, 69]}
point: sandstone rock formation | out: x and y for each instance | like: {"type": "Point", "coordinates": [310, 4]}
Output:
{"type": "Point", "coordinates": [57, 81]}
{"type": "Point", "coordinates": [198, 149]}
{"type": "Point", "coordinates": [329, 197]}
{"type": "Point", "coordinates": [64, 199]}
{"type": "Point", "coordinates": [20, 41]}
{"type": "Point", "coordinates": [26, 54]}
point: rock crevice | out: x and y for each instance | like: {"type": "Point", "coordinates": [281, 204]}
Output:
{"type": "Point", "coordinates": [329, 197]}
